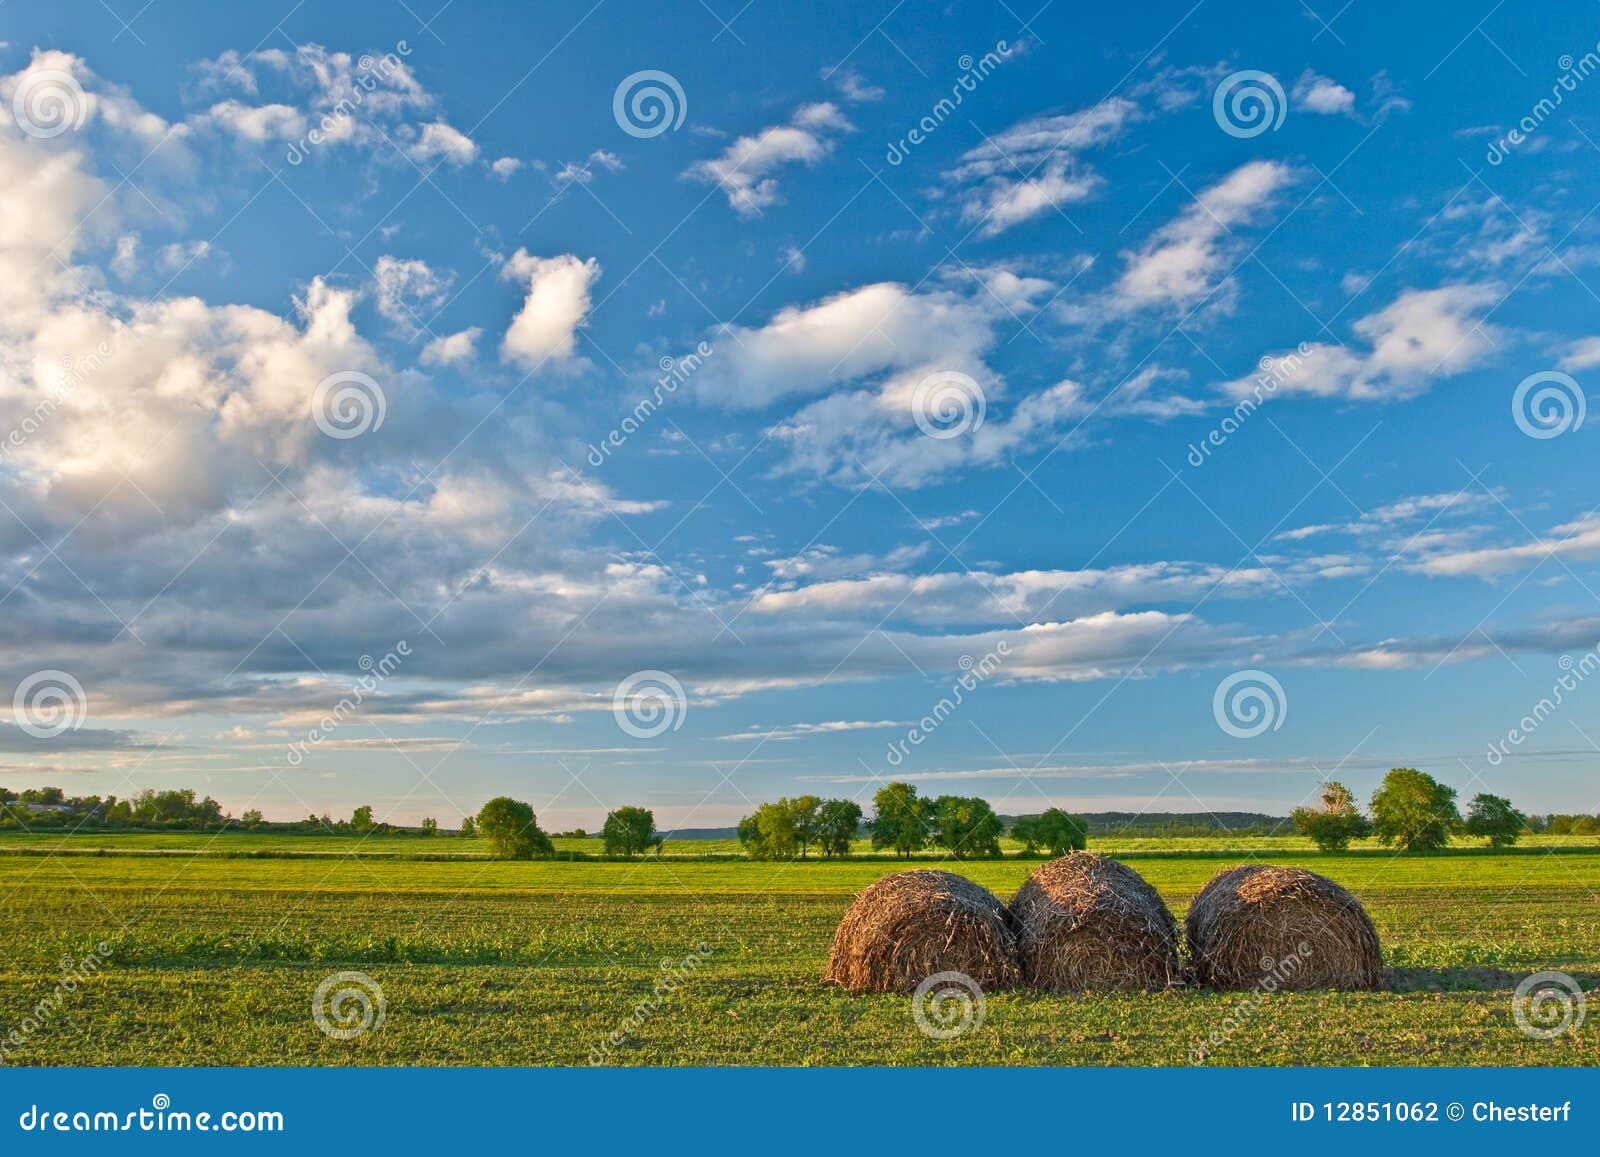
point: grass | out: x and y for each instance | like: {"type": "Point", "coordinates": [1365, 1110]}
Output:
{"type": "Point", "coordinates": [215, 957]}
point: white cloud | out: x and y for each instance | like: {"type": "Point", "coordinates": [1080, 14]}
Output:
{"type": "Point", "coordinates": [408, 291]}
{"type": "Point", "coordinates": [439, 141]}
{"type": "Point", "coordinates": [257, 123]}
{"type": "Point", "coordinates": [1423, 335]}
{"type": "Point", "coordinates": [1318, 94]}
{"type": "Point", "coordinates": [504, 168]}
{"type": "Point", "coordinates": [1180, 264]}
{"type": "Point", "coordinates": [546, 326]}
{"type": "Point", "coordinates": [1033, 166]}
{"type": "Point", "coordinates": [791, 731]}
{"type": "Point", "coordinates": [1582, 354]}
{"type": "Point", "coordinates": [451, 348]}
{"type": "Point", "coordinates": [744, 170]}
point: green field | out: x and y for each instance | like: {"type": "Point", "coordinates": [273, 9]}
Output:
{"type": "Point", "coordinates": [216, 950]}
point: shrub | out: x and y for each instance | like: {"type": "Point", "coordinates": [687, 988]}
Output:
{"type": "Point", "coordinates": [1414, 810]}
{"type": "Point", "coordinates": [1332, 826]}
{"type": "Point", "coordinates": [513, 829]}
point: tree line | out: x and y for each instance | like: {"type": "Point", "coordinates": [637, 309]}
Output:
{"type": "Point", "coordinates": [1413, 811]}
{"type": "Point", "coordinates": [965, 827]}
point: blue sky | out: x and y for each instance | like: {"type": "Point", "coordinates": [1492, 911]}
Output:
{"type": "Point", "coordinates": [1178, 348]}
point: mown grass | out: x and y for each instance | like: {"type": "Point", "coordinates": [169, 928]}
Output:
{"type": "Point", "coordinates": [214, 961]}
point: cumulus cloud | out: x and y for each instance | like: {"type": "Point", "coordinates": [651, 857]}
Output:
{"type": "Point", "coordinates": [1322, 95]}
{"type": "Point", "coordinates": [1422, 335]}
{"type": "Point", "coordinates": [744, 171]}
{"type": "Point", "coordinates": [546, 327]}
{"type": "Point", "coordinates": [438, 141]}
{"type": "Point", "coordinates": [451, 349]}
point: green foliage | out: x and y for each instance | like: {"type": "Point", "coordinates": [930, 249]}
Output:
{"type": "Point", "coordinates": [838, 821]}
{"type": "Point", "coordinates": [430, 826]}
{"type": "Point", "coordinates": [966, 827]}
{"type": "Point", "coordinates": [1493, 817]}
{"type": "Point", "coordinates": [1414, 810]}
{"type": "Point", "coordinates": [903, 821]}
{"type": "Point", "coordinates": [361, 818]}
{"type": "Point", "coordinates": [1054, 831]}
{"type": "Point", "coordinates": [251, 820]}
{"type": "Point", "coordinates": [1333, 825]}
{"type": "Point", "coordinates": [629, 831]}
{"type": "Point", "coordinates": [773, 832]}
{"type": "Point", "coordinates": [510, 825]}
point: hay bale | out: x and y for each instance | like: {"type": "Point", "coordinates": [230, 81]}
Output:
{"type": "Point", "coordinates": [1282, 928]}
{"type": "Point", "coordinates": [911, 925]}
{"type": "Point", "coordinates": [1085, 922]}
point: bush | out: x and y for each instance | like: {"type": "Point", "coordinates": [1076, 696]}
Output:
{"type": "Point", "coordinates": [629, 831]}
{"type": "Point", "coordinates": [966, 827]}
{"type": "Point", "coordinates": [1332, 826]}
{"type": "Point", "coordinates": [513, 829]}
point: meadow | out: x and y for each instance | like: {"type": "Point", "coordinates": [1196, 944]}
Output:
{"type": "Point", "coordinates": [217, 943]}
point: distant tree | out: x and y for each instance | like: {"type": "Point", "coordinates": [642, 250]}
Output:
{"type": "Point", "coordinates": [430, 826]}
{"type": "Point", "coordinates": [966, 827]}
{"type": "Point", "coordinates": [838, 821]}
{"type": "Point", "coordinates": [1061, 833]}
{"type": "Point", "coordinates": [469, 827]}
{"type": "Point", "coordinates": [903, 819]}
{"type": "Point", "coordinates": [1027, 832]}
{"type": "Point", "coordinates": [1333, 825]}
{"type": "Point", "coordinates": [251, 819]}
{"type": "Point", "coordinates": [1414, 810]}
{"type": "Point", "coordinates": [361, 818]}
{"type": "Point", "coordinates": [770, 833]}
{"type": "Point", "coordinates": [513, 829]}
{"type": "Point", "coordinates": [629, 831]}
{"type": "Point", "coordinates": [1493, 817]}
{"type": "Point", "coordinates": [807, 813]}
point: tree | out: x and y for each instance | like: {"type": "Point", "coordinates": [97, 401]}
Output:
{"type": "Point", "coordinates": [1414, 810]}
{"type": "Point", "coordinates": [966, 826]}
{"type": "Point", "coordinates": [1493, 816]}
{"type": "Point", "coordinates": [1027, 832]}
{"type": "Point", "coordinates": [1333, 825]}
{"type": "Point", "coordinates": [807, 812]}
{"type": "Point", "coordinates": [629, 831]}
{"type": "Point", "coordinates": [361, 818]}
{"type": "Point", "coordinates": [513, 829]}
{"type": "Point", "coordinates": [770, 834]}
{"type": "Point", "coordinates": [838, 822]}
{"type": "Point", "coordinates": [468, 827]}
{"type": "Point", "coordinates": [1062, 833]}
{"type": "Point", "coordinates": [251, 819]}
{"type": "Point", "coordinates": [430, 826]}
{"type": "Point", "coordinates": [902, 820]}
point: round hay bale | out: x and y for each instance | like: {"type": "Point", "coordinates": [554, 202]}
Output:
{"type": "Point", "coordinates": [1281, 928]}
{"type": "Point", "coordinates": [911, 925]}
{"type": "Point", "coordinates": [1085, 922]}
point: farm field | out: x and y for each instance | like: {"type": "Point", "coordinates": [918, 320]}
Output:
{"type": "Point", "coordinates": [214, 959]}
